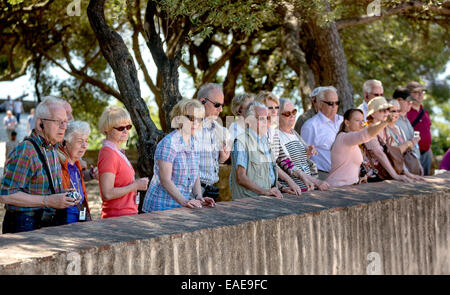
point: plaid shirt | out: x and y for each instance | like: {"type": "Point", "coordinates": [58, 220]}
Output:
{"type": "Point", "coordinates": [185, 170]}
{"type": "Point", "coordinates": [208, 141]}
{"type": "Point", "coordinates": [24, 171]}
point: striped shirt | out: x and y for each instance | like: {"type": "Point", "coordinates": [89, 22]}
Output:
{"type": "Point", "coordinates": [185, 171]}
{"type": "Point", "coordinates": [25, 172]}
{"type": "Point", "coordinates": [294, 150]}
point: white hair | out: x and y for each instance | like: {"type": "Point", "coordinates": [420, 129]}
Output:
{"type": "Point", "coordinates": [369, 84]}
{"type": "Point", "coordinates": [251, 109]}
{"type": "Point", "coordinates": [283, 102]}
{"type": "Point", "coordinates": [42, 110]}
{"type": "Point", "coordinates": [79, 127]}
{"type": "Point", "coordinates": [207, 89]}
{"type": "Point", "coordinates": [321, 94]}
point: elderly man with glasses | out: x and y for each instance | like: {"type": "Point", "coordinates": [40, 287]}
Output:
{"type": "Point", "coordinates": [371, 88]}
{"type": "Point", "coordinates": [320, 131]}
{"type": "Point", "coordinates": [32, 184]}
{"type": "Point", "coordinates": [211, 141]}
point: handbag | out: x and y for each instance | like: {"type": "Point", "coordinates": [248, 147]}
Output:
{"type": "Point", "coordinates": [412, 163]}
{"type": "Point", "coordinates": [394, 155]}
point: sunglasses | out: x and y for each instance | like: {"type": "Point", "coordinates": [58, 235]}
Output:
{"type": "Point", "coordinates": [274, 108]}
{"type": "Point", "coordinates": [291, 113]}
{"type": "Point", "coordinates": [215, 104]}
{"type": "Point", "coordinates": [122, 128]}
{"type": "Point", "coordinates": [331, 103]}
{"type": "Point", "coordinates": [395, 111]}
{"type": "Point", "coordinates": [194, 119]}
{"type": "Point", "coordinates": [377, 94]}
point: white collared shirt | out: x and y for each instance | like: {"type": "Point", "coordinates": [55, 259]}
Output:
{"type": "Point", "coordinates": [365, 108]}
{"type": "Point", "coordinates": [320, 132]}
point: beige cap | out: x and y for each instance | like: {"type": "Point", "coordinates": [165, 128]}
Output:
{"type": "Point", "coordinates": [377, 103]}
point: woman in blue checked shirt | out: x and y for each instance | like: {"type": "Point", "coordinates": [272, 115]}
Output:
{"type": "Point", "coordinates": [176, 181]}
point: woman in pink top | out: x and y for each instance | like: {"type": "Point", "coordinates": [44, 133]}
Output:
{"type": "Point", "coordinates": [346, 156]}
{"type": "Point", "coordinates": [118, 188]}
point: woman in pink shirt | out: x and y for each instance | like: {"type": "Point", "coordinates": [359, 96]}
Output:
{"type": "Point", "coordinates": [118, 187]}
{"type": "Point", "coordinates": [346, 156]}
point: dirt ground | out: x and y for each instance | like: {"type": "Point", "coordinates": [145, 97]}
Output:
{"type": "Point", "coordinates": [93, 194]}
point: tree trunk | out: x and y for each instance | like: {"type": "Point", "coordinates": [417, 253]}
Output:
{"type": "Point", "coordinates": [326, 57]}
{"type": "Point", "coordinates": [167, 67]}
{"type": "Point", "coordinates": [120, 60]}
{"type": "Point", "coordinates": [294, 55]}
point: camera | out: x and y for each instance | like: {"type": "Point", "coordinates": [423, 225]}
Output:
{"type": "Point", "coordinates": [73, 195]}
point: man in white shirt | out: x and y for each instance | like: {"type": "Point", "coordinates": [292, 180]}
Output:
{"type": "Point", "coordinates": [320, 131]}
{"type": "Point", "coordinates": [371, 89]}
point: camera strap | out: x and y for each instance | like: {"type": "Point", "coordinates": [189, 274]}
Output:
{"type": "Point", "coordinates": [44, 164]}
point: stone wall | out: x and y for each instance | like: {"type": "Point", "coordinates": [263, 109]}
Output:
{"type": "Point", "coordinates": [386, 228]}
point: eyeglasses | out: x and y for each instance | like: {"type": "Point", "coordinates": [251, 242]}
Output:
{"type": "Point", "coordinates": [194, 119]}
{"type": "Point", "coordinates": [59, 122]}
{"type": "Point", "coordinates": [331, 103]}
{"type": "Point", "coordinates": [291, 113]}
{"type": "Point", "coordinates": [395, 111]}
{"type": "Point", "coordinates": [274, 108]}
{"type": "Point", "coordinates": [122, 128]}
{"type": "Point", "coordinates": [216, 104]}
{"type": "Point", "coordinates": [377, 94]}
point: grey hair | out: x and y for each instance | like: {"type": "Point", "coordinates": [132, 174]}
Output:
{"type": "Point", "coordinates": [252, 106]}
{"type": "Point", "coordinates": [42, 110]}
{"type": "Point", "coordinates": [283, 102]}
{"type": "Point", "coordinates": [321, 94]}
{"type": "Point", "coordinates": [207, 88]}
{"type": "Point", "coordinates": [368, 85]}
{"type": "Point", "coordinates": [238, 100]}
{"type": "Point", "coordinates": [79, 127]}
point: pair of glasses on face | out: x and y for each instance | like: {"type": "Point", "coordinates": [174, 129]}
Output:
{"type": "Point", "coordinates": [215, 104]}
{"type": "Point", "coordinates": [291, 113]}
{"type": "Point", "coordinates": [59, 122]}
{"type": "Point", "coordinates": [332, 103]}
{"type": "Point", "coordinates": [377, 94]}
{"type": "Point", "coordinates": [395, 111]}
{"type": "Point", "coordinates": [274, 108]}
{"type": "Point", "coordinates": [122, 128]}
{"type": "Point", "coordinates": [194, 119]}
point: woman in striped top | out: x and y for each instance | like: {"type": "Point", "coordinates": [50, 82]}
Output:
{"type": "Point", "coordinates": [273, 135]}
{"type": "Point", "coordinates": [294, 153]}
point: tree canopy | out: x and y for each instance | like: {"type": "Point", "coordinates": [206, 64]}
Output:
{"type": "Point", "coordinates": [288, 46]}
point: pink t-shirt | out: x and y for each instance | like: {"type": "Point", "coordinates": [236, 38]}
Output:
{"type": "Point", "coordinates": [346, 158]}
{"type": "Point", "coordinates": [110, 161]}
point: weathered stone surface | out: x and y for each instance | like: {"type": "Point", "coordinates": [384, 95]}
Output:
{"type": "Point", "coordinates": [407, 226]}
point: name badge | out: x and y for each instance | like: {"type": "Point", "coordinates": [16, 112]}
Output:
{"type": "Point", "coordinates": [83, 215]}
{"type": "Point", "coordinates": [138, 198]}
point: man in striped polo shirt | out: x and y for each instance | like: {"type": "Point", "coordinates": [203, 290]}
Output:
{"type": "Point", "coordinates": [26, 188]}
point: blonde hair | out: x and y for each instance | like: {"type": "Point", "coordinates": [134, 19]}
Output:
{"type": "Point", "coordinates": [185, 107]}
{"type": "Point", "coordinates": [111, 117]}
{"type": "Point", "coordinates": [265, 96]}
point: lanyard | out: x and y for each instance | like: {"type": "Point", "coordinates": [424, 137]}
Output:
{"type": "Point", "coordinates": [48, 164]}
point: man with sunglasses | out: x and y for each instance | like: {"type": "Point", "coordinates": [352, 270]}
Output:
{"type": "Point", "coordinates": [320, 131]}
{"type": "Point", "coordinates": [28, 188]}
{"type": "Point", "coordinates": [371, 88]}
{"type": "Point", "coordinates": [311, 112]}
{"type": "Point", "coordinates": [211, 140]}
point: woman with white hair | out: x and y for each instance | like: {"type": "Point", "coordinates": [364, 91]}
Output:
{"type": "Point", "coordinates": [118, 187]}
{"type": "Point", "coordinates": [74, 146]}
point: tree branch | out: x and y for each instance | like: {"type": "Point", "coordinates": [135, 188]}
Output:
{"type": "Point", "coordinates": [402, 8]}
